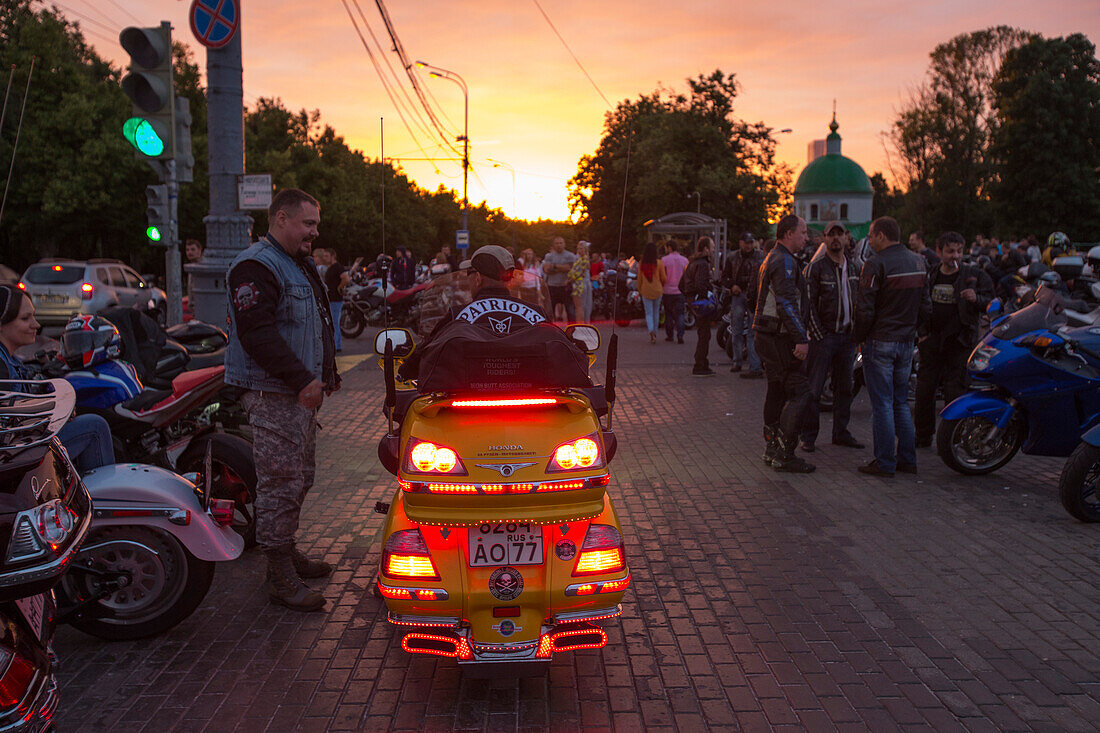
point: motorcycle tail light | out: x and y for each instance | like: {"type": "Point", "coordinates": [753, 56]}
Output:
{"type": "Point", "coordinates": [427, 457]}
{"type": "Point", "coordinates": [222, 510]}
{"type": "Point", "coordinates": [577, 455]}
{"type": "Point", "coordinates": [17, 677]}
{"type": "Point", "coordinates": [602, 551]}
{"type": "Point", "coordinates": [407, 556]}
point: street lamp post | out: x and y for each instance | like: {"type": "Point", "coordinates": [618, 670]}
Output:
{"type": "Point", "coordinates": [499, 164]}
{"type": "Point", "coordinates": [452, 76]}
{"type": "Point", "coordinates": [698, 201]}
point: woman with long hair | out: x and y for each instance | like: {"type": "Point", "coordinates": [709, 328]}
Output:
{"type": "Point", "coordinates": [651, 281]}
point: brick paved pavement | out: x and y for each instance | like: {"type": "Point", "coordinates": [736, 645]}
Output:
{"type": "Point", "coordinates": [760, 600]}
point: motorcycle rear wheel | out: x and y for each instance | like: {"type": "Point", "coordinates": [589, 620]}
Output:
{"type": "Point", "coordinates": [166, 582]}
{"type": "Point", "coordinates": [351, 323]}
{"type": "Point", "coordinates": [234, 478]}
{"type": "Point", "coordinates": [1077, 486]}
{"type": "Point", "coordinates": [962, 448]}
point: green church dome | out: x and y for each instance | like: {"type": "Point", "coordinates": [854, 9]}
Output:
{"type": "Point", "coordinates": [832, 172]}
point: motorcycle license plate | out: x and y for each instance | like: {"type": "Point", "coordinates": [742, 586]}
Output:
{"type": "Point", "coordinates": [505, 543]}
{"type": "Point", "coordinates": [33, 609]}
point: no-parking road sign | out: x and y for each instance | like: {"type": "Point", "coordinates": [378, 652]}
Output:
{"type": "Point", "coordinates": [215, 22]}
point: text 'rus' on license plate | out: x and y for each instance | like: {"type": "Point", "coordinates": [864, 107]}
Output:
{"type": "Point", "coordinates": [505, 543]}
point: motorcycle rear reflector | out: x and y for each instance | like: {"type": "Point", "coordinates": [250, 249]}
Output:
{"type": "Point", "coordinates": [518, 402]}
{"type": "Point", "coordinates": [561, 486]}
{"type": "Point", "coordinates": [407, 556]}
{"type": "Point", "coordinates": [17, 677]}
{"type": "Point", "coordinates": [396, 593]}
{"type": "Point", "coordinates": [614, 586]}
{"type": "Point", "coordinates": [506, 611]}
{"type": "Point", "coordinates": [602, 551]}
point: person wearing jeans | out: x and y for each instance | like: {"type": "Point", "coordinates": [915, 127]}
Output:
{"type": "Point", "coordinates": [738, 275]}
{"type": "Point", "coordinates": [675, 264]}
{"type": "Point", "coordinates": [886, 369]}
{"type": "Point", "coordinates": [741, 319]}
{"type": "Point", "coordinates": [891, 304]}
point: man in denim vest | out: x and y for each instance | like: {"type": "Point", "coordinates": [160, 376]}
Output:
{"type": "Point", "coordinates": [282, 352]}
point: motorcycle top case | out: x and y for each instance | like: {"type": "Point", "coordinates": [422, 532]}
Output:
{"type": "Point", "coordinates": [463, 357]}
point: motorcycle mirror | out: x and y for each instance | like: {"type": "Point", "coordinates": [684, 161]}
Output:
{"type": "Point", "coordinates": [399, 340]}
{"type": "Point", "coordinates": [587, 336]}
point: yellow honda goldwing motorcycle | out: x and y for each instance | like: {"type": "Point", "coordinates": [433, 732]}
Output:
{"type": "Point", "coordinates": [501, 543]}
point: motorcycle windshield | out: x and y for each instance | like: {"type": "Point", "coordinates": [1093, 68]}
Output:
{"type": "Point", "coordinates": [453, 291]}
{"type": "Point", "coordinates": [1045, 314]}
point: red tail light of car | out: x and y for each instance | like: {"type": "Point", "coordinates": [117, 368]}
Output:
{"type": "Point", "coordinates": [17, 677]}
{"type": "Point", "coordinates": [86, 291]}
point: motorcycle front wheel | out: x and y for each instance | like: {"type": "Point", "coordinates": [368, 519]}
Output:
{"type": "Point", "coordinates": [1078, 483]}
{"type": "Point", "coordinates": [351, 322]}
{"type": "Point", "coordinates": [964, 444]}
{"type": "Point", "coordinates": [151, 582]}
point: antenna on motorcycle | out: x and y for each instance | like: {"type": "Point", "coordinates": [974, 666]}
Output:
{"type": "Point", "coordinates": [391, 385]}
{"type": "Point", "coordinates": [384, 267]}
{"type": "Point", "coordinates": [207, 475]}
{"type": "Point", "coordinates": [609, 380]}
{"type": "Point", "coordinates": [619, 249]}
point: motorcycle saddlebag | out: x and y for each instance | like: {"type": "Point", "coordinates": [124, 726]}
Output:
{"type": "Point", "coordinates": [464, 357]}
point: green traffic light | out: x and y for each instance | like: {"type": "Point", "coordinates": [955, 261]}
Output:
{"type": "Point", "coordinates": [140, 133]}
{"type": "Point", "coordinates": [153, 233]}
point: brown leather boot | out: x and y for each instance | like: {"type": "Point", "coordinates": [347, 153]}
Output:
{"type": "Point", "coordinates": [285, 587]}
{"type": "Point", "coordinates": [307, 568]}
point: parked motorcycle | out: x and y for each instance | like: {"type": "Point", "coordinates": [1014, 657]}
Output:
{"type": "Point", "coordinates": [1036, 388]}
{"type": "Point", "coordinates": [364, 305]}
{"type": "Point", "coordinates": [45, 514]}
{"type": "Point", "coordinates": [171, 428]}
{"type": "Point", "coordinates": [151, 551]}
{"type": "Point", "coordinates": [501, 544]}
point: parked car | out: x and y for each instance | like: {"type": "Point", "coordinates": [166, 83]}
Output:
{"type": "Point", "coordinates": [62, 288]}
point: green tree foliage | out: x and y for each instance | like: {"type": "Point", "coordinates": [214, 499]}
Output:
{"type": "Point", "coordinates": [942, 135]}
{"type": "Point", "coordinates": [1047, 143]}
{"type": "Point", "coordinates": [678, 144]}
{"type": "Point", "coordinates": [888, 201]}
{"type": "Point", "coordinates": [74, 175]}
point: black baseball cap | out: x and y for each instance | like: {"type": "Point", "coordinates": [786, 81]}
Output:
{"type": "Point", "coordinates": [747, 237]}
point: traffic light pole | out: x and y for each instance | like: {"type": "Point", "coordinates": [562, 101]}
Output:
{"type": "Point", "coordinates": [172, 255]}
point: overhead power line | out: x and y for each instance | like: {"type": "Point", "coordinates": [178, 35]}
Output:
{"type": "Point", "coordinates": [583, 70]}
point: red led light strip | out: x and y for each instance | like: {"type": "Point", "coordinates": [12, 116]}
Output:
{"type": "Point", "coordinates": [522, 402]}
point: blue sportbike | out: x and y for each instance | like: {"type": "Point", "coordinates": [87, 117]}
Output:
{"type": "Point", "coordinates": [1035, 387]}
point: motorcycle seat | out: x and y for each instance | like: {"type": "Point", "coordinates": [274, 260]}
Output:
{"type": "Point", "coordinates": [146, 399]}
{"type": "Point", "coordinates": [398, 295]}
{"type": "Point", "coordinates": [205, 361]}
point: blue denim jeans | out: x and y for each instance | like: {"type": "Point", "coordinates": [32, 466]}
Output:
{"type": "Point", "coordinates": [87, 440]}
{"type": "Point", "coordinates": [741, 331]}
{"type": "Point", "coordinates": [652, 313]}
{"type": "Point", "coordinates": [886, 367]}
{"type": "Point", "coordinates": [336, 306]}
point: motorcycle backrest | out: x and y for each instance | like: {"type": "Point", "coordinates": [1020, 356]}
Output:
{"type": "Point", "coordinates": [32, 412]}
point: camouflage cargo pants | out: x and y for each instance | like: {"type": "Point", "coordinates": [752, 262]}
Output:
{"type": "Point", "coordinates": [284, 436]}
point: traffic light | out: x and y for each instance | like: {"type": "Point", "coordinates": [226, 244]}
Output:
{"type": "Point", "coordinates": [158, 213]}
{"type": "Point", "coordinates": [185, 161]}
{"type": "Point", "coordinates": [151, 128]}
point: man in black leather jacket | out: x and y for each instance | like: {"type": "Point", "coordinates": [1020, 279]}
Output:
{"type": "Point", "coordinates": [831, 281]}
{"type": "Point", "coordinates": [782, 343]}
{"type": "Point", "coordinates": [738, 275]}
{"type": "Point", "coordinates": [892, 302]}
{"type": "Point", "coordinates": [959, 294]}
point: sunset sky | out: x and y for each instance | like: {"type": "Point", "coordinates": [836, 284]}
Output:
{"type": "Point", "coordinates": [531, 105]}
